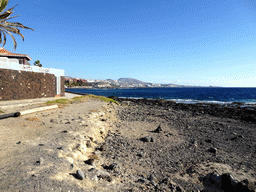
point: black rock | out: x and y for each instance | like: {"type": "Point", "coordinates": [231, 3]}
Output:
{"type": "Point", "coordinates": [65, 131]}
{"type": "Point", "coordinates": [152, 139]}
{"type": "Point", "coordinates": [112, 166]}
{"type": "Point", "coordinates": [89, 162]}
{"type": "Point", "coordinates": [158, 129]}
{"type": "Point", "coordinates": [145, 139]}
{"type": "Point", "coordinates": [213, 150]}
{"type": "Point", "coordinates": [54, 121]}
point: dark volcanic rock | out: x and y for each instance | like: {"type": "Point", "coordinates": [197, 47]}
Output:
{"type": "Point", "coordinates": [213, 150]}
{"type": "Point", "coordinates": [112, 166]}
{"type": "Point", "coordinates": [158, 129]}
{"type": "Point", "coordinates": [226, 183]}
{"type": "Point", "coordinates": [193, 135]}
{"type": "Point", "coordinates": [145, 139]}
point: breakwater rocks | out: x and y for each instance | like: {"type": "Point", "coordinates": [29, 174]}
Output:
{"type": "Point", "coordinates": [165, 146]}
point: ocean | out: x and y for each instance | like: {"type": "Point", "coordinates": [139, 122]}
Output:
{"type": "Point", "coordinates": [181, 95]}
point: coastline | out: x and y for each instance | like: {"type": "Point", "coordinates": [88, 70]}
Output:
{"type": "Point", "coordinates": [223, 96]}
{"type": "Point", "coordinates": [195, 148]}
{"type": "Point", "coordinates": [235, 110]}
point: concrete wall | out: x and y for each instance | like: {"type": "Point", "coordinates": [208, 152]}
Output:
{"type": "Point", "coordinates": [16, 85]}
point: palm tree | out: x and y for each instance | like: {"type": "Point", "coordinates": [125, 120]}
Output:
{"type": "Point", "coordinates": [37, 63]}
{"type": "Point", "coordinates": [9, 27]}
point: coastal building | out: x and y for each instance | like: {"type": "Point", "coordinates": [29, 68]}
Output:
{"type": "Point", "coordinates": [20, 80]}
{"type": "Point", "coordinates": [9, 57]}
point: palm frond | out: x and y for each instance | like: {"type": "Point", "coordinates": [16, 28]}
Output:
{"type": "Point", "coordinates": [16, 24]}
{"type": "Point", "coordinates": [4, 37]}
{"type": "Point", "coordinates": [3, 20]}
{"type": "Point", "coordinates": [14, 41]}
{"type": "Point", "coordinates": [11, 29]}
{"type": "Point", "coordinates": [7, 13]}
{"type": "Point", "coordinates": [7, 27]}
{"type": "Point", "coordinates": [3, 5]}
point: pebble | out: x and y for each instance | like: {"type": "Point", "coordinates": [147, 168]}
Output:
{"type": "Point", "coordinates": [213, 150]}
{"type": "Point", "coordinates": [112, 166]}
{"type": "Point", "coordinates": [94, 178]}
{"type": "Point", "coordinates": [39, 161]}
{"type": "Point", "coordinates": [80, 175]}
{"type": "Point", "coordinates": [81, 148]}
{"type": "Point", "coordinates": [53, 121]}
{"type": "Point", "coordinates": [145, 139]}
{"type": "Point", "coordinates": [208, 140]}
{"type": "Point", "coordinates": [158, 129]}
{"type": "Point", "coordinates": [152, 139]}
{"type": "Point", "coordinates": [90, 162]}
{"type": "Point", "coordinates": [103, 174]}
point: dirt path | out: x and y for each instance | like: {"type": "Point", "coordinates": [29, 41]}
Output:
{"type": "Point", "coordinates": [43, 151]}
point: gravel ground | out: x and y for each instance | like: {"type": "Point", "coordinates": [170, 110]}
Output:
{"type": "Point", "coordinates": [164, 148]}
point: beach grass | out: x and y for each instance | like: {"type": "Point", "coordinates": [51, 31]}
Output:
{"type": "Point", "coordinates": [63, 102]}
{"type": "Point", "coordinates": [101, 98]}
{"type": "Point", "coordinates": [1, 111]}
{"type": "Point", "coordinates": [78, 98]}
{"type": "Point", "coordinates": [59, 101]}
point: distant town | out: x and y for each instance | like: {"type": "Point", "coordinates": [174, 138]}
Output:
{"type": "Point", "coordinates": [113, 84]}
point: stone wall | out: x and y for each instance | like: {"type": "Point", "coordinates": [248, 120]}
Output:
{"type": "Point", "coordinates": [16, 85]}
{"type": "Point", "coordinates": [62, 93]}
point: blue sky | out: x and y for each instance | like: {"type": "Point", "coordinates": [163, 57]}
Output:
{"type": "Point", "coordinates": [190, 42]}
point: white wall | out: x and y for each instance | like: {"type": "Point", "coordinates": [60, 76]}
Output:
{"type": "Point", "coordinates": [13, 64]}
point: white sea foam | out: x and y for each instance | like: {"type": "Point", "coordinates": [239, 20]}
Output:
{"type": "Point", "coordinates": [191, 101]}
{"type": "Point", "coordinates": [194, 101]}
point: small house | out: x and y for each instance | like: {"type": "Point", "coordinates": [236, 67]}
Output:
{"type": "Point", "coordinates": [20, 80]}
{"type": "Point", "coordinates": [9, 57]}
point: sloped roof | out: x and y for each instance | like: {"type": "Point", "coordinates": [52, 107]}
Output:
{"type": "Point", "coordinates": [4, 52]}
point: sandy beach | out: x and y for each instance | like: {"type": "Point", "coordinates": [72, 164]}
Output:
{"type": "Point", "coordinates": [133, 146]}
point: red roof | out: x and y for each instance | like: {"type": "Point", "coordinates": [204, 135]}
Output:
{"type": "Point", "coordinates": [4, 52]}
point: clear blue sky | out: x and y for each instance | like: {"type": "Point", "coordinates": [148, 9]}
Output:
{"type": "Point", "coordinates": [191, 42]}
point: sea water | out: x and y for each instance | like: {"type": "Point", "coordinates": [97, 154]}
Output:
{"type": "Point", "coordinates": [181, 95]}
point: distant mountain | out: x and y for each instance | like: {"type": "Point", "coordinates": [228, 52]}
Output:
{"type": "Point", "coordinates": [130, 81]}
{"type": "Point", "coordinates": [110, 80]}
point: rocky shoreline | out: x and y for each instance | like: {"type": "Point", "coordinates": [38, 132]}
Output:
{"type": "Point", "coordinates": [139, 145]}
{"type": "Point", "coordinates": [168, 146]}
{"type": "Point", "coordinates": [234, 110]}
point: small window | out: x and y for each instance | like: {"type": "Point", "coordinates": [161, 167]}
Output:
{"type": "Point", "coordinates": [26, 62]}
{"type": "Point", "coordinates": [20, 61]}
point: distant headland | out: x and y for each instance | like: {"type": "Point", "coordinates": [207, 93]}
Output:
{"type": "Point", "coordinates": [71, 82]}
